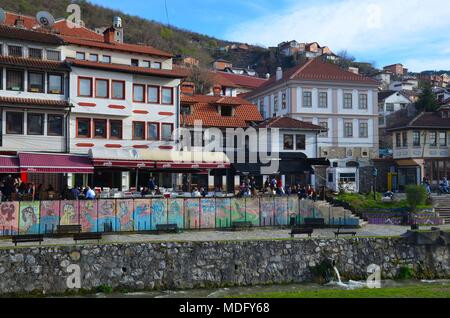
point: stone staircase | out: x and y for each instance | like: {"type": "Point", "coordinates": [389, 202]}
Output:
{"type": "Point", "coordinates": [442, 206]}
{"type": "Point", "coordinates": [335, 214]}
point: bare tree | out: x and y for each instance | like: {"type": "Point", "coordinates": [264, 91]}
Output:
{"type": "Point", "coordinates": [202, 80]}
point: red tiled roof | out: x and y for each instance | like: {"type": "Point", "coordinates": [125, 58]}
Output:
{"type": "Point", "coordinates": [288, 123]}
{"type": "Point", "coordinates": [32, 102]}
{"type": "Point", "coordinates": [29, 21]}
{"type": "Point", "coordinates": [425, 120]}
{"type": "Point", "coordinates": [64, 27]}
{"type": "Point", "coordinates": [14, 33]}
{"type": "Point", "coordinates": [243, 80]}
{"type": "Point", "coordinates": [204, 108]}
{"type": "Point", "coordinates": [316, 70]}
{"type": "Point", "coordinates": [124, 47]}
{"type": "Point", "coordinates": [175, 73]}
{"type": "Point", "coordinates": [33, 63]}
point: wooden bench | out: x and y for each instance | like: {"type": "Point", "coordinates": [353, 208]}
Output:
{"type": "Point", "coordinates": [302, 230]}
{"type": "Point", "coordinates": [28, 239]}
{"type": "Point", "coordinates": [97, 236]}
{"type": "Point", "coordinates": [315, 223]}
{"type": "Point", "coordinates": [339, 232]}
{"type": "Point", "coordinates": [68, 229]}
{"type": "Point", "coordinates": [241, 225]}
{"type": "Point", "coordinates": [167, 228]}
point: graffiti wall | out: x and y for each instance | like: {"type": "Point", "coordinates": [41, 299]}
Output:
{"type": "Point", "coordinates": [223, 210]}
{"type": "Point", "coordinates": [267, 211]}
{"type": "Point", "coordinates": [142, 215]}
{"type": "Point", "coordinates": [106, 215]}
{"type": "Point", "coordinates": [49, 216]}
{"type": "Point", "coordinates": [69, 213]}
{"type": "Point", "coordinates": [88, 216]}
{"type": "Point", "coordinates": [159, 213]}
{"type": "Point", "coordinates": [9, 218]}
{"type": "Point", "coordinates": [124, 220]}
{"type": "Point", "coordinates": [29, 218]}
{"type": "Point", "coordinates": [192, 216]}
{"type": "Point", "coordinates": [281, 211]}
{"type": "Point", "coordinates": [176, 212]}
{"type": "Point", "coordinates": [207, 213]}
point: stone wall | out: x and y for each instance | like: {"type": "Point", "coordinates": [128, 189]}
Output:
{"type": "Point", "coordinates": [188, 265]}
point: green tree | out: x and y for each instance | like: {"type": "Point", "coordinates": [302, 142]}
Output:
{"type": "Point", "coordinates": [415, 196]}
{"type": "Point", "coordinates": [427, 100]}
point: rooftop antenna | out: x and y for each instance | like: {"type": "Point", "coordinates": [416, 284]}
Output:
{"type": "Point", "coordinates": [167, 13]}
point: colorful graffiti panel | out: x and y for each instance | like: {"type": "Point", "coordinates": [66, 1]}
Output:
{"type": "Point", "coordinates": [223, 217]}
{"type": "Point", "coordinates": [238, 210]}
{"type": "Point", "coordinates": [9, 218]}
{"type": "Point", "coordinates": [88, 216]}
{"type": "Point", "coordinates": [252, 211]}
{"type": "Point", "coordinates": [49, 216]}
{"type": "Point", "coordinates": [207, 213]}
{"type": "Point", "coordinates": [267, 211]}
{"type": "Point", "coordinates": [69, 213]}
{"type": "Point", "coordinates": [192, 213]}
{"type": "Point", "coordinates": [176, 212]}
{"type": "Point", "coordinates": [29, 218]}
{"type": "Point", "coordinates": [142, 215]}
{"type": "Point", "coordinates": [107, 215]}
{"type": "Point", "coordinates": [125, 215]}
{"type": "Point", "coordinates": [281, 211]}
{"type": "Point", "coordinates": [159, 213]}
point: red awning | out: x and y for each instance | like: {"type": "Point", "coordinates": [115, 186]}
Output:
{"type": "Point", "coordinates": [122, 163]}
{"type": "Point", "coordinates": [174, 165]}
{"type": "Point", "coordinates": [54, 163]}
{"type": "Point", "coordinates": [9, 165]}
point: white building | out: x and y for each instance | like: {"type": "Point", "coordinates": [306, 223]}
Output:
{"type": "Point", "coordinates": [390, 102]}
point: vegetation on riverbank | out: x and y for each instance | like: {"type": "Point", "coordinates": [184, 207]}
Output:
{"type": "Point", "coordinates": [366, 201]}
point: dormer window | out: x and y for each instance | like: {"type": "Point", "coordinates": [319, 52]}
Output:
{"type": "Point", "coordinates": [14, 50]}
{"type": "Point", "coordinates": [226, 111]}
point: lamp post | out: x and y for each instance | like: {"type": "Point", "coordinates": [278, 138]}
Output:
{"type": "Point", "coordinates": [374, 175]}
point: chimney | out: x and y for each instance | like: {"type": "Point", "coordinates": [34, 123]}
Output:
{"type": "Point", "coordinates": [188, 88]}
{"type": "Point", "coordinates": [19, 23]}
{"type": "Point", "coordinates": [109, 35]}
{"type": "Point", "coordinates": [217, 90]}
{"type": "Point", "coordinates": [279, 73]}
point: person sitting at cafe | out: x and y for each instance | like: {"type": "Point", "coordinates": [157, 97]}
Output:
{"type": "Point", "coordinates": [145, 192]}
{"type": "Point", "coordinates": [203, 192]}
{"type": "Point", "coordinates": [74, 193]}
{"type": "Point", "coordinates": [196, 193]}
{"type": "Point", "coordinates": [90, 194]}
{"type": "Point", "coordinates": [445, 185]}
{"type": "Point", "coordinates": [158, 191]}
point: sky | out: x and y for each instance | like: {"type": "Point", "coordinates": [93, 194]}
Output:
{"type": "Point", "coordinates": [415, 33]}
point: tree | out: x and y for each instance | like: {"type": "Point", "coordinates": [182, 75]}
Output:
{"type": "Point", "coordinates": [345, 59]}
{"type": "Point", "coordinates": [201, 79]}
{"type": "Point", "coordinates": [427, 100]}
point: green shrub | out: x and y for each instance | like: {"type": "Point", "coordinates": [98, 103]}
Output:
{"type": "Point", "coordinates": [416, 196]}
{"type": "Point", "coordinates": [406, 272]}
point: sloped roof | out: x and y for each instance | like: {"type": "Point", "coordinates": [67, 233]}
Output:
{"type": "Point", "coordinates": [386, 94]}
{"type": "Point", "coordinates": [33, 102]}
{"type": "Point", "coordinates": [14, 33]}
{"type": "Point", "coordinates": [243, 80]}
{"type": "Point", "coordinates": [33, 63]}
{"type": "Point", "coordinates": [288, 123]}
{"type": "Point", "coordinates": [29, 21]}
{"type": "Point", "coordinates": [316, 70]}
{"type": "Point", "coordinates": [425, 120]}
{"type": "Point", "coordinates": [204, 108]}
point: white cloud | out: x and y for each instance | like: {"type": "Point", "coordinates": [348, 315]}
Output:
{"type": "Point", "coordinates": [365, 29]}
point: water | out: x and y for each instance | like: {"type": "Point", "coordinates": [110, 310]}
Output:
{"type": "Point", "coordinates": [350, 285]}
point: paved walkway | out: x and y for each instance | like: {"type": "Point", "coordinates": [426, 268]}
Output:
{"type": "Point", "coordinates": [198, 236]}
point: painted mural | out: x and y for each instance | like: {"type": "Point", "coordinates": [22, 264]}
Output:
{"type": "Point", "coordinates": [29, 218]}
{"type": "Point", "coordinates": [142, 215]}
{"type": "Point", "coordinates": [125, 221]}
{"type": "Point", "coordinates": [267, 211]}
{"type": "Point", "coordinates": [252, 210]}
{"type": "Point", "coordinates": [49, 216]}
{"type": "Point", "coordinates": [281, 211]}
{"type": "Point", "coordinates": [238, 210]}
{"type": "Point", "coordinates": [88, 216]}
{"type": "Point", "coordinates": [192, 210]}
{"type": "Point", "coordinates": [176, 212]}
{"type": "Point", "coordinates": [9, 218]}
{"type": "Point", "coordinates": [159, 212]}
{"type": "Point", "coordinates": [69, 213]}
{"type": "Point", "coordinates": [107, 215]}
{"type": "Point", "coordinates": [207, 213]}
{"type": "Point", "coordinates": [223, 218]}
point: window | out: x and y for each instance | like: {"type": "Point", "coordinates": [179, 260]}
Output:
{"type": "Point", "coordinates": [226, 111]}
{"type": "Point", "coordinates": [442, 138]}
{"type": "Point", "coordinates": [115, 129]}
{"type": "Point", "coordinates": [118, 89]}
{"type": "Point", "coordinates": [363, 130]}
{"type": "Point", "coordinates": [381, 120]}
{"type": "Point", "coordinates": [55, 84]}
{"type": "Point", "coordinates": [134, 62]}
{"type": "Point", "coordinates": [300, 142]}
{"type": "Point", "coordinates": [307, 99]}
{"type": "Point", "coordinates": [35, 82]}
{"type": "Point", "coordinates": [330, 177]}
{"type": "Point", "coordinates": [100, 128]}
{"type": "Point", "coordinates": [381, 108]}
{"type": "Point", "coordinates": [55, 125]}
{"type": "Point", "coordinates": [138, 93]}
{"type": "Point", "coordinates": [35, 53]}
{"type": "Point", "coordinates": [324, 125]}
{"type": "Point", "coordinates": [138, 130]}
{"type": "Point", "coordinates": [416, 138]}
{"type": "Point", "coordinates": [348, 101]}
{"type": "Point", "coordinates": [275, 103]}
{"type": "Point", "coordinates": [14, 123]}
{"type": "Point", "coordinates": [93, 57]}
{"type": "Point", "coordinates": [14, 80]}
{"type": "Point", "coordinates": [106, 59]}
{"type": "Point", "coordinates": [323, 99]}
{"type": "Point", "coordinates": [153, 131]}
{"type": "Point", "coordinates": [153, 94]}
{"type": "Point", "coordinates": [156, 65]}
{"type": "Point", "coordinates": [283, 100]}
{"type": "Point", "coordinates": [347, 177]}
{"type": "Point", "coordinates": [53, 55]}
{"type": "Point", "coordinates": [348, 130]}
{"type": "Point", "coordinates": [85, 87]}
{"type": "Point", "coordinates": [405, 139]}
{"type": "Point", "coordinates": [101, 88]}
{"type": "Point", "coordinates": [433, 139]}
{"type": "Point", "coordinates": [398, 140]}
{"type": "Point", "coordinates": [166, 132]}
{"type": "Point", "coordinates": [167, 95]}
{"type": "Point", "coordinates": [83, 128]}
{"type": "Point", "coordinates": [146, 64]}
{"type": "Point", "coordinates": [288, 142]}
{"type": "Point", "coordinates": [14, 50]}
{"type": "Point", "coordinates": [389, 107]}
{"type": "Point", "coordinates": [35, 124]}
{"type": "Point", "coordinates": [363, 101]}
{"type": "Point", "coordinates": [81, 56]}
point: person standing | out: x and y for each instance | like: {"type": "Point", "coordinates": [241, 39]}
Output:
{"type": "Point", "coordinates": [90, 194]}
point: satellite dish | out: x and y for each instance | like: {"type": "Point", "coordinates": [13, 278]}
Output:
{"type": "Point", "coordinates": [2, 16]}
{"type": "Point", "coordinates": [45, 19]}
